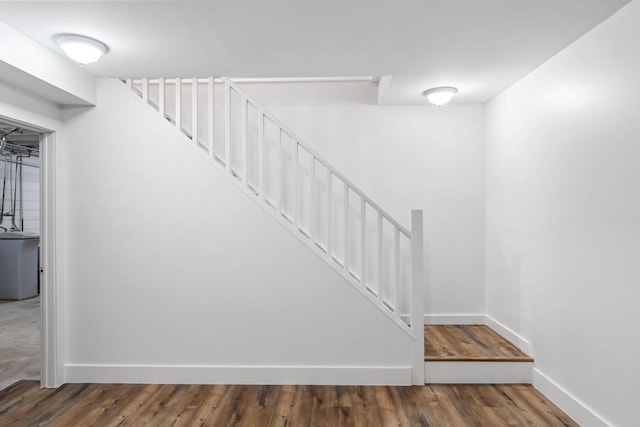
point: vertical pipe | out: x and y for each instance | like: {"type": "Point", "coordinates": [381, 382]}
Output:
{"type": "Point", "coordinates": [179, 104]}
{"type": "Point", "coordinates": [162, 107]}
{"type": "Point", "coordinates": [417, 296]}
{"type": "Point", "coordinates": [145, 90]}
{"type": "Point", "coordinates": [227, 125]}
{"type": "Point", "coordinates": [21, 197]}
{"type": "Point", "coordinates": [262, 175]}
{"type": "Point", "coordinates": [329, 213]}
{"type": "Point", "coordinates": [194, 110]}
{"type": "Point", "coordinates": [363, 242]}
{"type": "Point", "coordinates": [380, 258]}
{"type": "Point", "coordinates": [211, 117]}
{"type": "Point", "coordinates": [346, 227]}
{"type": "Point", "coordinates": [244, 146]}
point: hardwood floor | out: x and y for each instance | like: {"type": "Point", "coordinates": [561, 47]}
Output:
{"type": "Point", "coordinates": [25, 404]}
{"type": "Point", "coordinates": [469, 343]}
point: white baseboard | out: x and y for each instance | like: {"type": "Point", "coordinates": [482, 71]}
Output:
{"type": "Point", "coordinates": [225, 374]}
{"type": "Point", "coordinates": [478, 372]}
{"type": "Point", "coordinates": [510, 335]}
{"type": "Point", "coordinates": [454, 319]}
{"type": "Point", "coordinates": [580, 412]}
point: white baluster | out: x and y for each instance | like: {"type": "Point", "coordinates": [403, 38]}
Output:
{"type": "Point", "coordinates": [262, 174]}
{"type": "Point", "coordinates": [162, 108]}
{"type": "Point", "coordinates": [296, 189]}
{"type": "Point", "coordinates": [145, 90]}
{"type": "Point", "coordinates": [312, 203]}
{"type": "Point", "coordinates": [194, 110]}
{"type": "Point", "coordinates": [179, 104]}
{"type": "Point", "coordinates": [129, 83]}
{"type": "Point", "coordinates": [380, 258]}
{"type": "Point", "coordinates": [396, 287]}
{"type": "Point", "coordinates": [211, 117]}
{"type": "Point", "coordinates": [279, 197]}
{"type": "Point", "coordinates": [329, 213]}
{"type": "Point", "coordinates": [346, 228]}
{"type": "Point", "coordinates": [244, 146]}
{"type": "Point", "coordinates": [227, 126]}
{"type": "Point", "coordinates": [363, 242]}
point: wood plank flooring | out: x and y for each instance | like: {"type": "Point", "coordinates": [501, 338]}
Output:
{"type": "Point", "coordinates": [469, 343]}
{"type": "Point", "coordinates": [25, 404]}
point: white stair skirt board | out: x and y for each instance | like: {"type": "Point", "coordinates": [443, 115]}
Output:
{"type": "Point", "coordinates": [230, 374]}
{"type": "Point", "coordinates": [478, 372]}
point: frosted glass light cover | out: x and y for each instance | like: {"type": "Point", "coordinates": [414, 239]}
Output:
{"type": "Point", "coordinates": [83, 50]}
{"type": "Point", "coordinates": [440, 95]}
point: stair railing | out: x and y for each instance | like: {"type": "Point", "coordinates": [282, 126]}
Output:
{"type": "Point", "coordinates": [359, 240]}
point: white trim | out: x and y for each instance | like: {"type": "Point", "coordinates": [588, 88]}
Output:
{"type": "Point", "coordinates": [576, 409]}
{"type": "Point", "coordinates": [237, 374]}
{"type": "Point", "coordinates": [51, 358]}
{"type": "Point", "coordinates": [478, 372]}
{"type": "Point", "coordinates": [417, 292]}
{"type": "Point", "coordinates": [302, 79]}
{"type": "Point", "coordinates": [510, 335]}
{"type": "Point", "coordinates": [454, 319]}
{"type": "Point", "coordinates": [242, 80]}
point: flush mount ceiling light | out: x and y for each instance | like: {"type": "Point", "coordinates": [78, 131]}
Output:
{"type": "Point", "coordinates": [83, 50]}
{"type": "Point", "coordinates": [440, 95]}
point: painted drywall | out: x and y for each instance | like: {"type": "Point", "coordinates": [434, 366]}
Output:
{"type": "Point", "coordinates": [173, 269]}
{"type": "Point", "coordinates": [563, 217]}
{"type": "Point", "coordinates": [26, 64]}
{"type": "Point", "coordinates": [403, 157]}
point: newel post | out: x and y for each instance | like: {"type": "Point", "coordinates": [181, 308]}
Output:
{"type": "Point", "coordinates": [417, 296]}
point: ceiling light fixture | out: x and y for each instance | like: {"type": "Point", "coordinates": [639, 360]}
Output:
{"type": "Point", "coordinates": [83, 50]}
{"type": "Point", "coordinates": [440, 95]}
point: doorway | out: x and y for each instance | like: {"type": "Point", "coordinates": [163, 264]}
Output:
{"type": "Point", "coordinates": [20, 256]}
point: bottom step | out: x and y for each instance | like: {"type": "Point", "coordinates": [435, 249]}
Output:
{"type": "Point", "coordinates": [478, 372]}
{"type": "Point", "coordinates": [473, 354]}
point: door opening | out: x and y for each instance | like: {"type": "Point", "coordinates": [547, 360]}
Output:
{"type": "Point", "coordinates": [21, 254]}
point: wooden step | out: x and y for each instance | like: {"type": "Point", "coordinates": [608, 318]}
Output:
{"type": "Point", "coordinates": [469, 343]}
{"type": "Point", "coordinates": [473, 354]}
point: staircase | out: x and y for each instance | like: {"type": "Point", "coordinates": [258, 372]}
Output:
{"type": "Point", "coordinates": [371, 250]}
{"type": "Point", "coordinates": [267, 161]}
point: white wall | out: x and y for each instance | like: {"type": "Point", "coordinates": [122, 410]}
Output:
{"type": "Point", "coordinates": [174, 275]}
{"type": "Point", "coordinates": [404, 157]}
{"type": "Point", "coordinates": [26, 64]}
{"type": "Point", "coordinates": [563, 217]}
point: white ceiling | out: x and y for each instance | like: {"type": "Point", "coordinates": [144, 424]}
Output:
{"type": "Point", "coordinates": [479, 46]}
